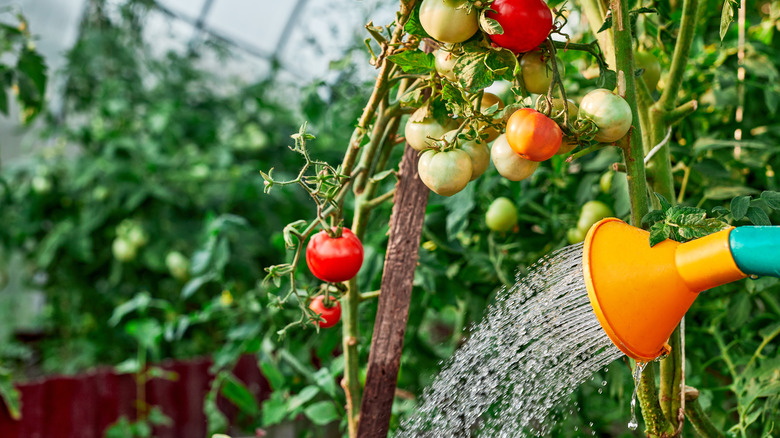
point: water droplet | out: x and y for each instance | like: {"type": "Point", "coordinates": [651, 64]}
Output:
{"type": "Point", "coordinates": [603, 383]}
{"type": "Point", "coordinates": [601, 391]}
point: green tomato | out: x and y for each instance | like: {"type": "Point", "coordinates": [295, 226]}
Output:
{"type": "Point", "coordinates": [652, 67]}
{"type": "Point", "coordinates": [445, 63]}
{"type": "Point", "coordinates": [477, 150]}
{"type": "Point", "coordinates": [592, 212]}
{"type": "Point", "coordinates": [447, 20]}
{"type": "Point", "coordinates": [575, 235]}
{"type": "Point", "coordinates": [41, 184]}
{"type": "Point", "coordinates": [501, 215]}
{"type": "Point", "coordinates": [421, 132]}
{"type": "Point", "coordinates": [178, 265]}
{"type": "Point", "coordinates": [537, 72]}
{"type": "Point", "coordinates": [137, 236]}
{"type": "Point", "coordinates": [446, 173]}
{"type": "Point", "coordinates": [509, 163]}
{"type": "Point", "coordinates": [609, 112]}
{"type": "Point", "coordinates": [123, 250]}
{"type": "Point", "coordinates": [605, 183]}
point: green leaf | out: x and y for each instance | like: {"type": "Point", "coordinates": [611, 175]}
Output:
{"type": "Point", "coordinates": [325, 380]}
{"type": "Point", "coordinates": [489, 25]}
{"type": "Point", "coordinates": [235, 391]}
{"type": "Point", "coordinates": [139, 302]}
{"type": "Point", "coordinates": [772, 199]}
{"type": "Point", "coordinates": [414, 61]}
{"type": "Point", "coordinates": [414, 26]}
{"type": "Point", "coordinates": [10, 395]}
{"type": "Point", "coordinates": [739, 207]}
{"type": "Point", "coordinates": [196, 283]}
{"type": "Point", "coordinates": [606, 25]}
{"type": "Point", "coordinates": [33, 66]}
{"type": "Point", "coordinates": [303, 397]}
{"type": "Point", "coordinates": [474, 73]}
{"type": "Point", "coordinates": [658, 233]}
{"type": "Point", "coordinates": [665, 204]}
{"type": "Point", "coordinates": [273, 374]}
{"type": "Point", "coordinates": [274, 409]}
{"type": "Point", "coordinates": [728, 192]}
{"type": "Point", "coordinates": [653, 217]}
{"type": "Point", "coordinates": [382, 175]}
{"type": "Point", "coordinates": [758, 216]}
{"type": "Point", "coordinates": [727, 16]}
{"type": "Point", "coordinates": [321, 413]}
{"type": "Point", "coordinates": [607, 79]}
{"type": "Point", "coordinates": [459, 206]}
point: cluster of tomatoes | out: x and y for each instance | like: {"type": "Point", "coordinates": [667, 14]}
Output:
{"type": "Point", "coordinates": [450, 157]}
{"type": "Point", "coordinates": [333, 259]}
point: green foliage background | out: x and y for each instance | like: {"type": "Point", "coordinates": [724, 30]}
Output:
{"type": "Point", "coordinates": [176, 150]}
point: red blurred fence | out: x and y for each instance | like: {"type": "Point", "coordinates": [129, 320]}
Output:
{"type": "Point", "coordinates": [84, 406]}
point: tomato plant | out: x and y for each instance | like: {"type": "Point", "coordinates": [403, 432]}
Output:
{"type": "Point", "coordinates": [533, 135]}
{"type": "Point", "coordinates": [509, 163]}
{"type": "Point", "coordinates": [329, 312]}
{"type": "Point", "coordinates": [447, 172]}
{"type": "Point", "coordinates": [526, 23]}
{"type": "Point", "coordinates": [448, 21]}
{"type": "Point", "coordinates": [609, 112]}
{"type": "Point", "coordinates": [501, 215]}
{"type": "Point", "coordinates": [334, 259]}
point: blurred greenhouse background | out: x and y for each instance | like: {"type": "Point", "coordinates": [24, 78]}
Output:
{"type": "Point", "coordinates": [135, 228]}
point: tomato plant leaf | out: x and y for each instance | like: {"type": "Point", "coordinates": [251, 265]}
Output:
{"type": "Point", "coordinates": [739, 207]}
{"type": "Point", "coordinates": [414, 62]}
{"type": "Point", "coordinates": [665, 204]}
{"type": "Point", "coordinates": [727, 16]}
{"type": "Point", "coordinates": [772, 199]}
{"type": "Point", "coordinates": [10, 395]}
{"type": "Point", "coordinates": [273, 374]}
{"type": "Point", "coordinates": [321, 413]}
{"type": "Point", "coordinates": [658, 233]}
{"type": "Point", "coordinates": [607, 24]}
{"type": "Point", "coordinates": [653, 217]}
{"type": "Point", "coordinates": [758, 216]}
{"type": "Point", "coordinates": [238, 394]}
{"type": "Point", "coordinates": [473, 72]}
{"type": "Point", "coordinates": [413, 26]}
{"type": "Point", "coordinates": [489, 25]}
{"type": "Point", "coordinates": [607, 78]}
{"type": "Point", "coordinates": [274, 409]}
{"type": "Point", "coordinates": [726, 192]}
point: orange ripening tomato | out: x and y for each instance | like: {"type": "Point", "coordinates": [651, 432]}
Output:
{"type": "Point", "coordinates": [533, 135]}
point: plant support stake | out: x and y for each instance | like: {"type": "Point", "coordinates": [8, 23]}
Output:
{"type": "Point", "coordinates": [387, 342]}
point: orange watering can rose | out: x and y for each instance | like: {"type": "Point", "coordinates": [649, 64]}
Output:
{"type": "Point", "coordinates": [640, 294]}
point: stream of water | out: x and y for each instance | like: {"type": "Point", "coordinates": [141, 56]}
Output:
{"type": "Point", "coordinates": [535, 345]}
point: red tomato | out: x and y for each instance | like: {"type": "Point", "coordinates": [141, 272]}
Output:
{"type": "Point", "coordinates": [533, 135]}
{"type": "Point", "coordinates": [331, 315]}
{"type": "Point", "coordinates": [334, 259]}
{"type": "Point", "coordinates": [526, 23]}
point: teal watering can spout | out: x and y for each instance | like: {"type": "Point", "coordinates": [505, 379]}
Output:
{"type": "Point", "coordinates": [756, 250]}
